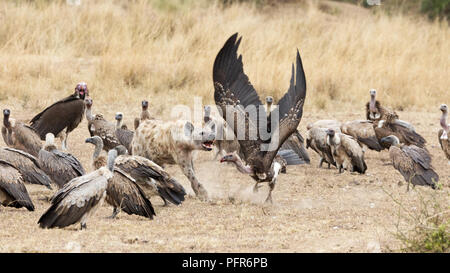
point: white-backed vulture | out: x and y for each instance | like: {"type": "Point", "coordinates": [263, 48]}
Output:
{"type": "Point", "coordinates": [405, 134]}
{"type": "Point", "coordinates": [124, 135]}
{"type": "Point", "coordinates": [235, 95]}
{"type": "Point", "coordinates": [27, 165]}
{"type": "Point", "coordinates": [413, 162]}
{"type": "Point", "coordinates": [123, 193]}
{"type": "Point", "coordinates": [444, 132]}
{"type": "Point", "coordinates": [145, 114]}
{"type": "Point", "coordinates": [12, 190]}
{"type": "Point", "coordinates": [151, 177]}
{"type": "Point", "coordinates": [79, 198]}
{"type": "Point", "coordinates": [295, 142]}
{"type": "Point", "coordinates": [346, 152]}
{"type": "Point", "coordinates": [60, 166]}
{"type": "Point", "coordinates": [316, 138]}
{"type": "Point", "coordinates": [363, 132]}
{"type": "Point", "coordinates": [327, 124]}
{"type": "Point", "coordinates": [106, 130]}
{"type": "Point", "coordinates": [64, 114]}
{"type": "Point", "coordinates": [375, 111]}
{"type": "Point", "coordinates": [20, 136]}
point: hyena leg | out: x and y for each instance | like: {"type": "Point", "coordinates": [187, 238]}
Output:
{"type": "Point", "coordinates": [188, 169]}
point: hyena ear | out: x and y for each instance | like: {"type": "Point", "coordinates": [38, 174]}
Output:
{"type": "Point", "coordinates": [188, 128]}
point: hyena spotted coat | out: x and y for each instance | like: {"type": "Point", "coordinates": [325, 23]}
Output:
{"type": "Point", "coordinates": [173, 142]}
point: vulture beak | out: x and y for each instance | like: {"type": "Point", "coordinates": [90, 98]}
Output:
{"type": "Point", "coordinates": [226, 158]}
{"type": "Point", "coordinates": [89, 140]}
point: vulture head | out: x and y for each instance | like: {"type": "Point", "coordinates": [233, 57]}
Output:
{"type": "Point", "coordinates": [6, 114]}
{"type": "Point", "coordinates": [332, 139]}
{"type": "Point", "coordinates": [88, 102]}
{"type": "Point", "coordinates": [443, 108]}
{"type": "Point", "coordinates": [121, 150]}
{"type": "Point", "coordinates": [207, 115]}
{"type": "Point", "coordinates": [144, 105]}
{"type": "Point", "coordinates": [119, 116]}
{"type": "Point", "coordinates": [96, 140]}
{"type": "Point", "coordinates": [49, 142]}
{"type": "Point", "coordinates": [269, 100]}
{"type": "Point", "coordinates": [81, 90]}
{"type": "Point", "coordinates": [231, 157]}
{"type": "Point", "coordinates": [390, 140]}
{"type": "Point", "coordinates": [373, 93]}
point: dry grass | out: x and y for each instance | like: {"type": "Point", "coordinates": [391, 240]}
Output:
{"type": "Point", "coordinates": [127, 51]}
{"type": "Point", "coordinates": [134, 50]}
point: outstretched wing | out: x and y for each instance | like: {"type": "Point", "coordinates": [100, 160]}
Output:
{"type": "Point", "coordinates": [67, 112]}
{"type": "Point", "coordinates": [290, 109]}
{"type": "Point", "coordinates": [233, 88]}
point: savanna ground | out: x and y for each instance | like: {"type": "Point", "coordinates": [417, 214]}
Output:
{"type": "Point", "coordinates": [129, 51]}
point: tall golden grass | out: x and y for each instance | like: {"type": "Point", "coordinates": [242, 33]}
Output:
{"type": "Point", "coordinates": [130, 50]}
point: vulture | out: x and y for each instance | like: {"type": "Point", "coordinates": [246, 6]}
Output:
{"type": "Point", "coordinates": [326, 123]}
{"type": "Point", "coordinates": [405, 134]}
{"type": "Point", "coordinates": [119, 123]}
{"type": "Point", "coordinates": [226, 141]}
{"type": "Point", "coordinates": [89, 116]}
{"type": "Point", "coordinates": [122, 192]}
{"type": "Point", "coordinates": [346, 152]}
{"type": "Point", "coordinates": [413, 162]}
{"type": "Point", "coordinates": [79, 198]}
{"type": "Point", "coordinates": [363, 132]}
{"type": "Point", "coordinates": [234, 92]}
{"type": "Point", "coordinates": [145, 114]}
{"type": "Point", "coordinates": [443, 133]}
{"type": "Point", "coordinates": [316, 138]}
{"type": "Point", "coordinates": [295, 142]}
{"type": "Point", "coordinates": [106, 130]}
{"type": "Point", "coordinates": [123, 135]}
{"type": "Point", "coordinates": [60, 166]}
{"type": "Point", "coordinates": [20, 136]}
{"type": "Point", "coordinates": [374, 110]}
{"type": "Point", "coordinates": [148, 175]}
{"type": "Point", "coordinates": [27, 165]}
{"type": "Point", "coordinates": [12, 190]}
{"type": "Point", "coordinates": [64, 114]}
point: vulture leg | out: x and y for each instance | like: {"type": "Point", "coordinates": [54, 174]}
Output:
{"type": "Point", "coordinates": [256, 187]}
{"type": "Point", "coordinates": [271, 187]}
{"type": "Point", "coordinates": [321, 162]}
{"type": "Point", "coordinates": [63, 138]}
{"type": "Point", "coordinates": [115, 212]}
{"type": "Point", "coordinates": [165, 201]}
{"type": "Point", "coordinates": [83, 225]}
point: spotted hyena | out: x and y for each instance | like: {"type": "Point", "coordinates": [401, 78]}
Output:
{"type": "Point", "coordinates": [173, 142]}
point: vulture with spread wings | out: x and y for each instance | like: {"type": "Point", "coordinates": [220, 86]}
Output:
{"type": "Point", "coordinates": [234, 91]}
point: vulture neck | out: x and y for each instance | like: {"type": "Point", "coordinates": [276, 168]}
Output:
{"type": "Point", "coordinates": [98, 150]}
{"type": "Point", "coordinates": [372, 107]}
{"type": "Point", "coordinates": [119, 124]}
{"type": "Point", "coordinates": [268, 108]}
{"type": "Point", "coordinates": [145, 114]}
{"type": "Point", "coordinates": [444, 121]}
{"type": "Point", "coordinates": [111, 158]}
{"type": "Point", "coordinates": [89, 115]}
{"type": "Point", "coordinates": [242, 167]}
